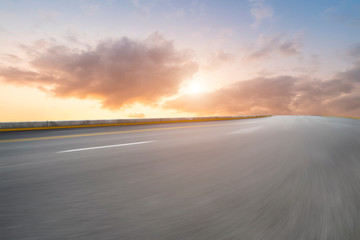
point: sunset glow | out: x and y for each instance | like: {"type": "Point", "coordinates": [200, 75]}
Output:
{"type": "Point", "coordinates": [126, 58]}
{"type": "Point", "coordinates": [194, 88]}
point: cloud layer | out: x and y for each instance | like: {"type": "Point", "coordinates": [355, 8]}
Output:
{"type": "Point", "coordinates": [125, 71]}
{"type": "Point", "coordinates": [279, 95]}
{"type": "Point", "coordinates": [117, 72]}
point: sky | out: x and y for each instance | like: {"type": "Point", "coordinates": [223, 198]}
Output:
{"type": "Point", "coordinates": [88, 59]}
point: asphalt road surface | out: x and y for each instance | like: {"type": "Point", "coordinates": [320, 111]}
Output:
{"type": "Point", "coordinates": [281, 177]}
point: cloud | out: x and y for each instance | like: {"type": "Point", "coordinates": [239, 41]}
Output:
{"type": "Point", "coordinates": [117, 72]}
{"type": "Point", "coordinates": [349, 103]}
{"type": "Point", "coordinates": [222, 56]}
{"type": "Point", "coordinates": [260, 12]}
{"type": "Point", "coordinates": [123, 72]}
{"type": "Point", "coordinates": [354, 51]}
{"type": "Point", "coordinates": [90, 7]}
{"type": "Point", "coordinates": [276, 44]}
{"type": "Point", "coordinates": [137, 115]}
{"type": "Point", "coordinates": [279, 95]}
{"type": "Point", "coordinates": [217, 59]}
{"type": "Point", "coordinates": [141, 8]}
{"type": "Point", "coordinates": [179, 13]}
{"type": "Point", "coordinates": [10, 57]}
{"type": "Point", "coordinates": [259, 95]}
{"type": "Point", "coordinates": [49, 15]}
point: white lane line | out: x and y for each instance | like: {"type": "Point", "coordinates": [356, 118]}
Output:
{"type": "Point", "coordinates": [58, 160]}
{"type": "Point", "coordinates": [107, 146]}
{"type": "Point", "coordinates": [245, 130]}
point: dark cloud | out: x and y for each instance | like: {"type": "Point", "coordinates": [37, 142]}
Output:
{"type": "Point", "coordinates": [353, 74]}
{"type": "Point", "coordinates": [269, 45]}
{"type": "Point", "coordinates": [349, 103]}
{"type": "Point", "coordinates": [279, 95]}
{"type": "Point", "coordinates": [117, 72]}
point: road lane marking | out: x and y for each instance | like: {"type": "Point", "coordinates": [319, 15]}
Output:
{"type": "Point", "coordinates": [245, 130]}
{"type": "Point", "coordinates": [106, 146]}
{"type": "Point", "coordinates": [116, 132]}
{"type": "Point", "coordinates": [63, 159]}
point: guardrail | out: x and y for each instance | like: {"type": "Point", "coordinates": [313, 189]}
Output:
{"type": "Point", "coordinates": [38, 125]}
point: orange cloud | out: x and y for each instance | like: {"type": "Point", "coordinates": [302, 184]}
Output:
{"type": "Point", "coordinates": [123, 72]}
{"type": "Point", "coordinates": [117, 72]}
{"type": "Point", "coordinates": [279, 95]}
{"type": "Point", "coordinates": [260, 96]}
{"type": "Point", "coordinates": [137, 115]}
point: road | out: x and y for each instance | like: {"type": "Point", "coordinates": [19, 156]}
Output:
{"type": "Point", "coordinates": [281, 177]}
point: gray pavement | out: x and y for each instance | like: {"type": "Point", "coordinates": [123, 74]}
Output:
{"type": "Point", "coordinates": [281, 177]}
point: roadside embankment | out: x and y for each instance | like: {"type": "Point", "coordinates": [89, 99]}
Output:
{"type": "Point", "coordinates": [39, 125]}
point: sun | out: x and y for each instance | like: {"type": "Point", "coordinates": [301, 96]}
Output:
{"type": "Point", "coordinates": [194, 88]}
